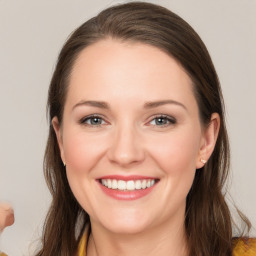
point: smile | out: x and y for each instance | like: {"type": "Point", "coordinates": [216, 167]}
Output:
{"type": "Point", "coordinates": [129, 185]}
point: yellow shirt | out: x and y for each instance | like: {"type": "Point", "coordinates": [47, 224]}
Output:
{"type": "Point", "coordinates": [243, 246]}
{"type": "Point", "coordinates": [83, 244]}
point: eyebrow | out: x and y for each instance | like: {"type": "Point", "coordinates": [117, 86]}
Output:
{"type": "Point", "coordinates": [147, 105]}
{"type": "Point", "coordinates": [92, 103]}
{"type": "Point", "coordinates": [155, 104]}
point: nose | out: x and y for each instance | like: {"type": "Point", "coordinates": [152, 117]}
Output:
{"type": "Point", "coordinates": [126, 147]}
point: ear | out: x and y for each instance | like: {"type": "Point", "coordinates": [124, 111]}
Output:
{"type": "Point", "coordinates": [208, 141]}
{"type": "Point", "coordinates": [58, 132]}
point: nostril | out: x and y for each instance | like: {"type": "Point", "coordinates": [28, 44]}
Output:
{"type": "Point", "coordinates": [125, 158]}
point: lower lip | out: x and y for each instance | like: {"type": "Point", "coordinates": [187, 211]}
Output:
{"type": "Point", "coordinates": [126, 195]}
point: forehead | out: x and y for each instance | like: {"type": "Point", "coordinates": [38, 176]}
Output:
{"type": "Point", "coordinates": [134, 56]}
{"type": "Point", "coordinates": [109, 68]}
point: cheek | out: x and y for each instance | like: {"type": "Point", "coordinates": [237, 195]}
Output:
{"type": "Point", "coordinates": [176, 156]}
{"type": "Point", "coordinates": [81, 152]}
{"type": "Point", "coordinates": [176, 153]}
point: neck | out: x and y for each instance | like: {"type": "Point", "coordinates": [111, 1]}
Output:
{"type": "Point", "coordinates": [161, 240]}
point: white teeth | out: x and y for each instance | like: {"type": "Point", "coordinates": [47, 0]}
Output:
{"type": "Point", "coordinates": [109, 184]}
{"type": "Point", "coordinates": [121, 185]}
{"type": "Point", "coordinates": [144, 184]}
{"type": "Point", "coordinates": [114, 184]}
{"type": "Point", "coordinates": [128, 185]}
{"type": "Point", "coordinates": [138, 184]}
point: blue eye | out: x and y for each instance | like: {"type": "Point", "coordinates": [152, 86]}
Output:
{"type": "Point", "coordinates": [93, 120]}
{"type": "Point", "coordinates": [163, 120]}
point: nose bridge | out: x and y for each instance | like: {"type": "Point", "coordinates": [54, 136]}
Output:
{"type": "Point", "coordinates": [126, 145]}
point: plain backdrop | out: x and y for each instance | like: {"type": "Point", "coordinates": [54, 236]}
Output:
{"type": "Point", "coordinates": [31, 35]}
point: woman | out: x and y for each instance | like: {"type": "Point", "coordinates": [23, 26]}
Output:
{"type": "Point", "coordinates": [137, 154]}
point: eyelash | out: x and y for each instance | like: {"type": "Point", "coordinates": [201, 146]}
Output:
{"type": "Point", "coordinates": [170, 120]}
{"type": "Point", "coordinates": [85, 119]}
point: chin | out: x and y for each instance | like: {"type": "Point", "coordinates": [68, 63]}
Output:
{"type": "Point", "coordinates": [125, 228]}
{"type": "Point", "coordinates": [126, 223]}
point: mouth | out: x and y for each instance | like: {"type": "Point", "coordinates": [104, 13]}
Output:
{"type": "Point", "coordinates": [127, 188]}
{"type": "Point", "coordinates": [129, 185]}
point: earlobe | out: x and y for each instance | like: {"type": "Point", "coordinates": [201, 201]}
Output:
{"type": "Point", "coordinates": [57, 129]}
{"type": "Point", "coordinates": [209, 139]}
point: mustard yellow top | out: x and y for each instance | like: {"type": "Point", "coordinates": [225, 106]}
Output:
{"type": "Point", "coordinates": [245, 247]}
{"type": "Point", "coordinates": [83, 243]}
{"type": "Point", "coordinates": [242, 246]}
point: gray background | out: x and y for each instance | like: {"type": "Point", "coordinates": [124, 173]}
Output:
{"type": "Point", "coordinates": [31, 35]}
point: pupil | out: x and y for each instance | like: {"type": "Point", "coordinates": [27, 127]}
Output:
{"type": "Point", "coordinates": [161, 121]}
{"type": "Point", "coordinates": [95, 120]}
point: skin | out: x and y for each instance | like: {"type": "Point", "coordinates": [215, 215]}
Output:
{"type": "Point", "coordinates": [128, 140]}
{"type": "Point", "coordinates": [6, 216]}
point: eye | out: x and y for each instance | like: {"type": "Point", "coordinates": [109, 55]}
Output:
{"type": "Point", "coordinates": [93, 120]}
{"type": "Point", "coordinates": [163, 120]}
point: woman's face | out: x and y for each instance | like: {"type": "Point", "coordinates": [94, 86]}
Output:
{"type": "Point", "coordinates": [131, 136]}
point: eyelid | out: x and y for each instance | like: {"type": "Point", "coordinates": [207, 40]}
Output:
{"type": "Point", "coordinates": [83, 119]}
{"type": "Point", "coordinates": [170, 119]}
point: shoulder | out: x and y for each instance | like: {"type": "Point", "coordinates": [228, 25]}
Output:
{"type": "Point", "coordinates": [244, 246]}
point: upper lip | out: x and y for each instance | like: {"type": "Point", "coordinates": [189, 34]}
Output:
{"type": "Point", "coordinates": [125, 178]}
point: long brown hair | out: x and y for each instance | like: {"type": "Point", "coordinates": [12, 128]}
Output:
{"type": "Point", "coordinates": [208, 219]}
